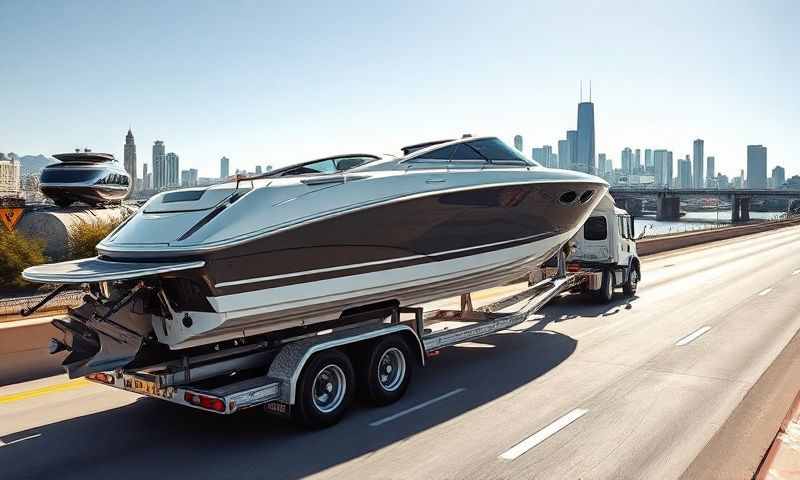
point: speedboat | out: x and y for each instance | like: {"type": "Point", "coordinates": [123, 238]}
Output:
{"type": "Point", "coordinates": [87, 177]}
{"type": "Point", "coordinates": [262, 255]}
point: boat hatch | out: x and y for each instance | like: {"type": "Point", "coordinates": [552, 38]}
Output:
{"type": "Point", "coordinates": [191, 200]}
{"type": "Point", "coordinates": [87, 270]}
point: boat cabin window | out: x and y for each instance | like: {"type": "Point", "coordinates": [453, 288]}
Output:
{"type": "Point", "coordinates": [113, 179]}
{"type": "Point", "coordinates": [438, 154]}
{"type": "Point", "coordinates": [453, 153]}
{"type": "Point", "coordinates": [595, 229]}
{"type": "Point", "coordinates": [498, 152]}
{"type": "Point", "coordinates": [67, 175]}
{"type": "Point", "coordinates": [465, 152]}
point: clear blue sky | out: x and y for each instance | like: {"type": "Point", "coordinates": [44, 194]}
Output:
{"type": "Point", "coordinates": [267, 82]}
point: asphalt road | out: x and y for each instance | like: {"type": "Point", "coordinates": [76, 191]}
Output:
{"type": "Point", "coordinates": [631, 390]}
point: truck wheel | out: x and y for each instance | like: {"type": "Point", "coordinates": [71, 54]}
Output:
{"type": "Point", "coordinates": [606, 292]}
{"type": "Point", "coordinates": [388, 371]}
{"type": "Point", "coordinates": [325, 389]}
{"type": "Point", "coordinates": [632, 284]}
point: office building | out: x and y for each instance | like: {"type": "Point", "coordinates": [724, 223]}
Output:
{"type": "Point", "coordinates": [543, 156]}
{"type": "Point", "coordinates": [698, 180]}
{"type": "Point", "coordinates": [258, 170]}
{"type": "Point", "coordinates": [685, 172]}
{"type": "Point", "coordinates": [10, 171]}
{"type": "Point", "coordinates": [572, 140]}
{"type": "Point", "coordinates": [711, 171]}
{"type": "Point", "coordinates": [518, 142]}
{"type": "Point", "coordinates": [224, 167]}
{"type": "Point", "coordinates": [626, 160]}
{"type": "Point", "coordinates": [659, 167]}
{"type": "Point", "coordinates": [637, 161]}
{"type": "Point", "coordinates": [756, 166]}
{"type": "Point", "coordinates": [585, 158]}
{"type": "Point", "coordinates": [145, 183]}
{"type": "Point", "coordinates": [159, 165]}
{"type": "Point", "coordinates": [129, 157]}
{"type": "Point", "coordinates": [189, 178]}
{"type": "Point", "coordinates": [563, 154]}
{"type": "Point", "coordinates": [669, 171]}
{"type": "Point", "coordinates": [778, 177]}
{"type": "Point", "coordinates": [172, 179]}
{"type": "Point", "coordinates": [649, 163]}
{"type": "Point", "coordinates": [601, 164]}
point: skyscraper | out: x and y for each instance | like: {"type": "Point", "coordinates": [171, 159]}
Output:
{"type": "Point", "coordinates": [711, 171]}
{"type": "Point", "coordinates": [518, 142]}
{"type": "Point", "coordinates": [698, 181]}
{"type": "Point", "coordinates": [669, 173]}
{"type": "Point", "coordinates": [224, 167]}
{"type": "Point", "coordinates": [585, 157]}
{"type": "Point", "coordinates": [637, 161]}
{"type": "Point", "coordinates": [685, 172]}
{"type": "Point", "coordinates": [159, 165]}
{"type": "Point", "coordinates": [543, 156]}
{"type": "Point", "coordinates": [145, 182]}
{"type": "Point", "coordinates": [572, 139]}
{"type": "Point", "coordinates": [756, 166]}
{"type": "Point", "coordinates": [130, 158]}
{"type": "Point", "coordinates": [564, 154]}
{"type": "Point", "coordinates": [626, 160]}
{"type": "Point", "coordinates": [649, 163]}
{"type": "Point", "coordinates": [189, 178]}
{"type": "Point", "coordinates": [778, 177]}
{"type": "Point", "coordinates": [173, 178]}
{"type": "Point", "coordinates": [660, 167]}
{"type": "Point", "coordinates": [258, 170]}
{"type": "Point", "coordinates": [602, 168]}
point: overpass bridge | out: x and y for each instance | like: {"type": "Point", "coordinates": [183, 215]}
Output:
{"type": "Point", "coordinates": [668, 199]}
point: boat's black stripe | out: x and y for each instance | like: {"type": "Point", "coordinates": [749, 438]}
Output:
{"type": "Point", "coordinates": [313, 277]}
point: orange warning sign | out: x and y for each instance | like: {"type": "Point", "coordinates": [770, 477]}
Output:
{"type": "Point", "coordinates": [10, 217]}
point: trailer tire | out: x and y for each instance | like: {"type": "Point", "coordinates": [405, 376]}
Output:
{"type": "Point", "coordinates": [606, 292]}
{"type": "Point", "coordinates": [632, 283]}
{"type": "Point", "coordinates": [325, 389]}
{"type": "Point", "coordinates": [388, 370]}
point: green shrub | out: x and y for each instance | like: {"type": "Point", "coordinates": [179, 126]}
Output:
{"type": "Point", "coordinates": [18, 252]}
{"type": "Point", "coordinates": [85, 235]}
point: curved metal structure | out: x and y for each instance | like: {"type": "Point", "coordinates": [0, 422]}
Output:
{"type": "Point", "coordinates": [86, 177]}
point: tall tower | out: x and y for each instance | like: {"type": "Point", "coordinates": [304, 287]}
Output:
{"type": "Point", "coordinates": [145, 182]}
{"type": "Point", "coordinates": [159, 165]}
{"type": "Point", "coordinates": [518, 142]}
{"type": "Point", "coordinates": [585, 160]}
{"type": "Point", "coordinates": [710, 168]}
{"type": "Point", "coordinates": [224, 167]}
{"type": "Point", "coordinates": [756, 166]}
{"type": "Point", "coordinates": [130, 159]}
{"type": "Point", "coordinates": [697, 164]}
{"type": "Point", "coordinates": [572, 140]}
{"type": "Point", "coordinates": [172, 178]}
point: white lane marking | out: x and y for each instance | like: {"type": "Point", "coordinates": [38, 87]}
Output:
{"type": "Point", "coordinates": [415, 408]}
{"type": "Point", "coordinates": [764, 292]}
{"type": "Point", "coordinates": [796, 272]}
{"type": "Point", "coordinates": [5, 444]}
{"type": "Point", "coordinates": [543, 434]}
{"type": "Point", "coordinates": [692, 336]}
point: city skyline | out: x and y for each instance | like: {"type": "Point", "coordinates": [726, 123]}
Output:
{"type": "Point", "coordinates": [257, 105]}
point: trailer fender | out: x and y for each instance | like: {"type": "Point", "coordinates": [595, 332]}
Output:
{"type": "Point", "coordinates": [289, 362]}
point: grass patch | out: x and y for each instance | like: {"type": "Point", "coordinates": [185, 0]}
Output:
{"type": "Point", "coordinates": [85, 235]}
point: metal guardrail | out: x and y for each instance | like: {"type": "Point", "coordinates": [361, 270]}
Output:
{"type": "Point", "coordinates": [12, 306]}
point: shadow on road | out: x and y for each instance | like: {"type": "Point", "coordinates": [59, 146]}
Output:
{"type": "Point", "coordinates": [152, 437]}
{"type": "Point", "coordinates": [574, 305]}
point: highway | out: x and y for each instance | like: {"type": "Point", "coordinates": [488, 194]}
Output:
{"type": "Point", "coordinates": [631, 390]}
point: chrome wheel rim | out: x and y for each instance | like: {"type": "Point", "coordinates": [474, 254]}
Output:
{"type": "Point", "coordinates": [330, 385]}
{"type": "Point", "coordinates": [391, 369]}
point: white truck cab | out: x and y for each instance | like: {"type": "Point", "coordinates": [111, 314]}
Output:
{"type": "Point", "coordinates": [606, 242]}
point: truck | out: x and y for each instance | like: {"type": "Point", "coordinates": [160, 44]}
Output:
{"type": "Point", "coordinates": [312, 376]}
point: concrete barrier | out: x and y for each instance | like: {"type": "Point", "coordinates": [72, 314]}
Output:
{"type": "Point", "coordinates": [23, 350]}
{"type": "Point", "coordinates": [664, 243]}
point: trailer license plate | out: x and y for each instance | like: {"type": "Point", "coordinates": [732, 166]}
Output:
{"type": "Point", "coordinates": [277, 408]}
{"type": "Point", "coordinates": [144, 387]}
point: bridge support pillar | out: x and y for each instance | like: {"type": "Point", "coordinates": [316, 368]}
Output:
{"type": "Point", "coordinates": [741, 209]}
{"type": "Point", "coordinates": [668, 208]}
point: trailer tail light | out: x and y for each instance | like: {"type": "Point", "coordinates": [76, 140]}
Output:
{"type": "Point", "coordinates": [203, 401]}
{"type": "Point", "coordinates": [573, 267]}
{"type": "Point", "coordinates": [101, 377]}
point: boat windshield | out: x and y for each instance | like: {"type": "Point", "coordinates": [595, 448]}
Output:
{"type": "Point", "coordinates": [323, 166]}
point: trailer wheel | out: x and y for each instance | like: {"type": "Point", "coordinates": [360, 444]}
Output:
{"type": "Point", "coordinates": [632, 284]}
{"type": "Point", "coordinates": [325, 389]}
{"type": "Point", "coordinates": [606, 292]}
{"type": "Point", "coordinates": [388, 371]}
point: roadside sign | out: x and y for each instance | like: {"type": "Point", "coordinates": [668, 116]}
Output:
{"type": "Point", "coordinates": [10, 217]}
